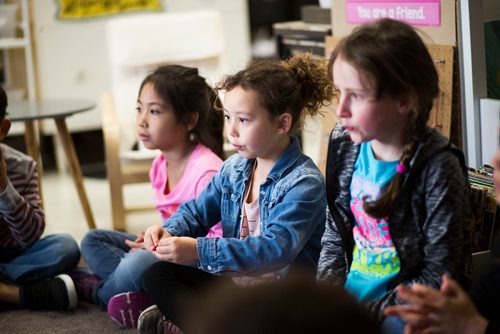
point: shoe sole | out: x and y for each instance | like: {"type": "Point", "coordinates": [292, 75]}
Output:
{"type": "Point", "coordinates": [70, 288]}
{"type": "Point", "coordinates": [140, 321]}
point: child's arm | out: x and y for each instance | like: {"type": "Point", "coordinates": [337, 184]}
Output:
{"type": "Point", "coordinates": [20, 204]}
{"type": "Point", "coordinates": [332, 265]}
{"type": "Point", "coordinates": [293, 220]}
{"type": "Point", "coordinates": [4, 179]}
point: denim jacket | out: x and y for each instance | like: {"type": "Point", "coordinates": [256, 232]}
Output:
{"type": "Point", "coordinates": [292, 201]}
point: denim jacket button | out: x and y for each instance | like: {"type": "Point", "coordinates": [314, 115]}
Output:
{"type": "Point", "coordinates": [209, 267]}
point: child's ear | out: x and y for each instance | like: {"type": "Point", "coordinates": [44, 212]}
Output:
{"type": "Point", "coordinates": [406, 103]}
{"type": "Point", "coordinates": [192, 121]}
{"type": "Point", "coordinates": [4, 128]}
{"type": "Point", "coordinates": [284, 123]}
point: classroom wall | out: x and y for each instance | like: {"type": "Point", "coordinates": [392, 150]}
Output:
{"type": "Point", "coordinates": [72, 61]}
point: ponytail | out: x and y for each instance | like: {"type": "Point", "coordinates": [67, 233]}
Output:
{"type": "Point", "coordinates": [382, 207]}
{"type": "Point", "coordinates": [211, 134]}
{"type": "Point", "coordinates": [298, 84]}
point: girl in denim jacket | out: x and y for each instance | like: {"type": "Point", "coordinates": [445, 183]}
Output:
{"type": "Point", "coordinates": [269, 197]}
{"type": "Point", "coordinates": [397, 190]}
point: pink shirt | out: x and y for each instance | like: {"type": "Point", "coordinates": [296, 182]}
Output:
{"type": "Point", "coordinates": [250, 227]}
{"type": "Point", "coordinates": [201, 167]}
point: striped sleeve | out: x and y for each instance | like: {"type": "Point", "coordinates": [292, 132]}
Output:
{"type": "Point", "coordinates": [22, 220]}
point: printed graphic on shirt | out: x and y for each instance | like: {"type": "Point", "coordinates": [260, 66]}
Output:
{"type": "Point", "coordinates": [375, 259]}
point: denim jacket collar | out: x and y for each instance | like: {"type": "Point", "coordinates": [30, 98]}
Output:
{"type": "Point", "coordinates": [285, 161]}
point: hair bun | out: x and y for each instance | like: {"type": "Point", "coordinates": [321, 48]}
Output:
{"type": "Point", "coordinates": [312, 77]}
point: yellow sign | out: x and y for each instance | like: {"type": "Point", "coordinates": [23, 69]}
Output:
{"type": "Point", "coordinates": [82, 9]}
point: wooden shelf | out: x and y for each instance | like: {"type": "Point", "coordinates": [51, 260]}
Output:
{"type": "Point", "coordinates": [12, 43]}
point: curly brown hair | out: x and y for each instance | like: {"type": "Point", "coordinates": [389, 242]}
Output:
{"type": "Point", "coordinates": [300, 83]}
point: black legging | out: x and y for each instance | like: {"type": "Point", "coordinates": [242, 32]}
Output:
{"type": "Point", "coordinates": [170, 285]}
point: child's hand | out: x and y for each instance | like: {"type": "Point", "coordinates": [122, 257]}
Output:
{"type": "Point", "coordinates": [4, 180]}
{"type": "Point", "coordinates": [137, 244]}
{"type": "Point", "coordinates": [177, 249]}
{"type": "Point", "coordinates": [153, 235]}
{"type": "Point", "coordinates": [448, 310]}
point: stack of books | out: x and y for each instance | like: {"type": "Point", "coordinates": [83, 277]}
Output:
{"type": "Point", "coordinates": [484, 208]}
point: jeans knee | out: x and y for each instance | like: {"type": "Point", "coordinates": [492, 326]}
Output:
{"type": "Point", "coordinates": [90, 238]}
{"type": "Point", "coordinates": [139, 261]}
{"type": "Point", "coordinates": [67, 249]}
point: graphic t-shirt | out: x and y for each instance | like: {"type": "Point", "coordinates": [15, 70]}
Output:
{"type": "Point", "coordinates": [375, 259]}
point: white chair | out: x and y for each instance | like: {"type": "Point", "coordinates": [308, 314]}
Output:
{"type": "Point", "coordinates": [136, 46]}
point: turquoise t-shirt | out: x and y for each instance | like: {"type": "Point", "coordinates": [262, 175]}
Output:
{"type": "Point", "coordinates": [375, 259]}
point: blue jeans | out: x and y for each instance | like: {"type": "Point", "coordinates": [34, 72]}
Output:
{"type": "Point", "coordinates": [48, 257]}
{"type": "Point", "coordinates": [108, 256]}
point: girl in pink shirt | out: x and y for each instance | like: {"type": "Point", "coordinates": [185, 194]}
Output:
{"type": "Point", "coordinates": [176, 114]}
{"type": "Point", "coordinates": [200, 168]}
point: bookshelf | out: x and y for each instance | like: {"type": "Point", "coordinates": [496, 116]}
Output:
{"type": "Point", "coordinates": [15, 85]}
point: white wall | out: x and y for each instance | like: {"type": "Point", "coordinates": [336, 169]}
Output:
{"type": "Point", "coordinates": [480, 115]}
{"type": "Point", "coordinates": [72, 60]}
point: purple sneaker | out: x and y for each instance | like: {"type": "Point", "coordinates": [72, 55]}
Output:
{"type": "Point", "coordinates": [126, 307]}
{"type": "Point", "coordinates": [85, 283]}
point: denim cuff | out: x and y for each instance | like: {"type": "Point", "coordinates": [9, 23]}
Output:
{"type": "Point", "coordinates": [207, 251]}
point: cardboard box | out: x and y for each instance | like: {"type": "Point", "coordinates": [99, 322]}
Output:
{"type": "Point", "coordinates": [445, 33]}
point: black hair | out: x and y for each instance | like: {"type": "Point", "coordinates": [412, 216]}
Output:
{"type": "Point", "coordinates": [188, 93]}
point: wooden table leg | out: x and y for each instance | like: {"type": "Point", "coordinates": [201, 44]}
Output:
{"type": "Point", "coordinates": [74, 166]}
{"type": "Point", "coordinates": [33, 148]}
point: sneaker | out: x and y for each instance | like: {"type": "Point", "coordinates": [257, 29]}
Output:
{"type": "Point", "coordinates": [85, 283]}
{"type": "Point", "coordinates": [57, 293]}
{"type": "Point", "coordinates": [126, 307]}
{"type": "Point", "coordinates": [152, 321]}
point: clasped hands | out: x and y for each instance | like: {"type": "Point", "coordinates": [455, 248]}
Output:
{"type": "Point", "coordinates": [448, 310]}
{"type": "Point", "coordinates": [164, 246]}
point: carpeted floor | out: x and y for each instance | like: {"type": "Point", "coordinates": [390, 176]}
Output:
{"type": "Point", "coordinates": [86, 318]}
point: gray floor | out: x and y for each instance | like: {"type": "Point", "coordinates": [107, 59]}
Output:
{"type": "Point", "coordinates": [86, 318]}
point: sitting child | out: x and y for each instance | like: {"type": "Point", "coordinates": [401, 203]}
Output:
{"type": "Point", "coordinates": [397, 190]}
{"type": "Point", "coordinates": [31, 269]}
{"type": "Point", "coordinates": [270, 197]}
{"type": "Point", "coordinates": [175, 115]}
